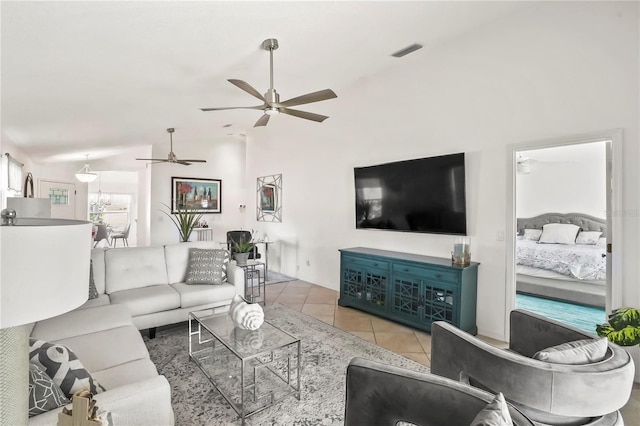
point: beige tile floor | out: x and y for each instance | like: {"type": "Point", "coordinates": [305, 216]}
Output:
{"type": "Point", "coordinates": [322, 303]}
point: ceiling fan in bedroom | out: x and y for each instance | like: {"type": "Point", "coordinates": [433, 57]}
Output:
{"type": "Point", "coordinates": [171, 158]}
{"type": "Point", "coordinates": [271, 104]}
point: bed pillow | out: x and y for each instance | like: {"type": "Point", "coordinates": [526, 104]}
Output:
{"type": "Point", "coordinates": [578, 352]}
{"type": "Point", "coordinates": [602, 242]}
{"type": "Point", "coordinates": [494, 414]}
{"type": "Point", "coordinates": [63, 366]}
{"type": "Point", "coordinates": [207, 266]}
{"type": "Point", "coordinates": [532, 234]}
{"type": "Point", "coordinates": [559, 233]}
{"type": "Point", "coordinates": [588, 237]}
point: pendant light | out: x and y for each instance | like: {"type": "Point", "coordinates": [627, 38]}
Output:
{"type": "Point", "coordinates": [85, 174]}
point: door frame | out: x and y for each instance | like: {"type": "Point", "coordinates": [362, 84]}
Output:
{"type": "Point", "coordinates": [614, 204]}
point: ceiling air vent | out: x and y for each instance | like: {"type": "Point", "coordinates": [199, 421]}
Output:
{"type": "Point", "coordinates": [402, 52]}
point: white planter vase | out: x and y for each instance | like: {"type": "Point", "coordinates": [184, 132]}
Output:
{"type": "Point", "coordinates": [634, 351]}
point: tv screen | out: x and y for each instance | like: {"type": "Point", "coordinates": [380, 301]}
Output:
{"type": "Point", "coordinates": [422, 195]}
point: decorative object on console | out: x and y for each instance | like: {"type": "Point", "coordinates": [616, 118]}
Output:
{"type": "Point", "coordinates": [185, 221]}
{"type": "Point", "coordinates": [196, 195]}
{"type": "Point", "coordinates": [62, 250]}
{"type": "Point", "coordinates": [269, 201]}
{"type": "Point", "coordinates": [207, 266]}
{"type": "Point", "coordinates": [246, 316]}
{"type": "Point", "coordinates": [461, 254]}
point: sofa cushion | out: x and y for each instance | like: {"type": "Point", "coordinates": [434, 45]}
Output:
{"type": "Point", "coordinates": [195, 295]}
{"type": "Point", "coordinates": [496, 413]}
{"type": "Point", "coordinates": [106, 349]}
{"type": "Point", "coordinates": [146, 300]}
{"type": "Point", "coordinates": [134, 267]}
{"type": "Point", "coordinates": [82, 321]}
{"type": "Point", "coordinates": [44, 394]}
{"type": "Point", "coordinates": [177, 257]}
{"type": "Point", "coordinates": [578, 352]}
{"type": "Point", "coordinates": [63, 366]}
{"type": "Point", "coordinates": [97, 259]}
{"type": "Point", "coordinates": [207, 266]}
{"type": "Point", "coordinates": [129, 372]}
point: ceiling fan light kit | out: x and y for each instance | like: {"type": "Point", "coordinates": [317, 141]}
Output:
{"type": "Point", "coordinates": [271, 104]}
{"type": "Point", "coordinates": [171, 158]}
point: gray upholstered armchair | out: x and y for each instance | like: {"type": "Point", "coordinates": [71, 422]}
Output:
{"type": "Point", "coordinates": [547, 393]}
{"type": "Point", "coordinates": [382, 395]}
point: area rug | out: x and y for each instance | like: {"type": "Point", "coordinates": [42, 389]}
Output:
{"type": "Point", "coordinates": [326, 352]}
{"type": "Point", "coordinates": [582, 317]}
{"type": "Point", "coordinates": [277, 277]}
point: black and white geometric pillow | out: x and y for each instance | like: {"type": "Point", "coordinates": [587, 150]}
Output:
{"type": "Point", "coordinates": [64, 367]}
{"type": "Point", "coordinates": [44, 394]}
{"type": "Point", "coordinates": [207, 266]}
{"type": "Point", "coordinates": [93, 291]}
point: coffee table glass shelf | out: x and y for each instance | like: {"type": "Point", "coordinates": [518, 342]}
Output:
{"type": "Point", "coordinates": [252, 370]}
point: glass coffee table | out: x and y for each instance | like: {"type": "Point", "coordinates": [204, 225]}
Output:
{"type": "Point", "coordinates": [252, 370]}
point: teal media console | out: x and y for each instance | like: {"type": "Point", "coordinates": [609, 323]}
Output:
{"type": "Point", "coordinates": [409, 288]}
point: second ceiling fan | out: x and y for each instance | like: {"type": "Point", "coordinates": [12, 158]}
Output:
{"type": "Point", "coordinates": [271, 104]}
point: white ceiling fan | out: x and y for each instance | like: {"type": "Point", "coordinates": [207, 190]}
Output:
{"type": "Point", "coordinates": [271, 104]}
{"type": "Point", "coordinates": [171, 158]}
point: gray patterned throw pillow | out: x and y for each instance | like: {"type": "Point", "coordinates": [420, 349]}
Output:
{"type": "Point", "coordinates": [63, 366]}
{"type": "Point", "coordinates": [44, 394]}
{"type": "Point", "coordinates": [93, 291]}
{"type": "Point", "coordinates": [207, 266]}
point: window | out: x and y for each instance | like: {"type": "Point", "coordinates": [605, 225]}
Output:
{"type": "Point", "coordinates": [14, 168]}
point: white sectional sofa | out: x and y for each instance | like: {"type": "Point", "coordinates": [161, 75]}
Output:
{"type": "Point", "coordinates": [139, 288]}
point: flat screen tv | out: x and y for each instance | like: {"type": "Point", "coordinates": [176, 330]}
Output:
{"type": "Point", "coordinates": [422, 195]}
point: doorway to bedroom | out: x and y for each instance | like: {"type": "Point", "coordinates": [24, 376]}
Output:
{"type": "Point", "coordinates": [561, 195]}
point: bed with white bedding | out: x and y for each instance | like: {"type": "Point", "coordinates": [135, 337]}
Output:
{"type": "Point", "coordinates": [566, 262]}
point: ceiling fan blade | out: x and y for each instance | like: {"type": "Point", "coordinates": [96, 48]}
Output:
{"type": "Point", "coordinates": [247, 88]}
{"type": "Point", "coordinates": [183, 162]}
{"type": "Point", "coordinates": [304, 114]}
{"type": "Point", "coordinates": [195, 161]}
{"type": "Point", "coordinates": [221, 109]}
{"type": "Point", "coordinates": [152, 159]}
{"type": "Point", "coordinates": [262, 121]}
{"type": "Point", "coordinates": [320, 95]}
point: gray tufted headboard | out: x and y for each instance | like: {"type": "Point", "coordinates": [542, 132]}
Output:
{"type": "Point", "coordinates": [584, 221]}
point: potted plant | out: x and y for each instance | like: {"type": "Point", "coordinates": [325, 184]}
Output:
{"type": "Point", "coordinates": [185, 221]}
{"type": "Point", "coordinates": [623, 328]}
{"type": "Point", "coordinates": [242, 249]}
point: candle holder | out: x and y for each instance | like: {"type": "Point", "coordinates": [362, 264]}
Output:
{"type": "Point", "coordinates": [461, 254]}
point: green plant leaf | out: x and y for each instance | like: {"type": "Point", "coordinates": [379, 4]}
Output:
{"type": "Point", "coordinates": [628, 336]}
{"type": "Point", "coordinates": [184, 220]}
{"type": "Point", "coordinates": [623, 317]}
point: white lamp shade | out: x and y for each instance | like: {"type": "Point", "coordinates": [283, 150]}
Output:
{"type": "Point", "coordinates": [44, 269]}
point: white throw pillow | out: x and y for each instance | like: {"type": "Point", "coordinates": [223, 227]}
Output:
{"type": "Point", "coordinates": [578, 352]}
{"type": "Point", "coordinates": [494, 414]}
{"type": "Point", "coordinates": [559, 233]}
{"type": "Point", "coordinates": [588, 237]}
{"type": "Point", "coordinates": [532, 234]}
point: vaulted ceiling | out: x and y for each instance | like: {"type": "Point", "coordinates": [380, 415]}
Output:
{"type": "Point", "coordinates": [97, 77]}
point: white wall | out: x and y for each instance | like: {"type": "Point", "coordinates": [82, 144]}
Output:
{"type": "Point", "coordinates": [561, 68]}
{"type": "Point", "coordinates": [226, 160]}
{"type": "Point", "coordinates": [567, 179]}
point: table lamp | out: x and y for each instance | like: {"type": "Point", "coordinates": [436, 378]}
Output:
{"type": "Point", "coordinates": [44, 272]}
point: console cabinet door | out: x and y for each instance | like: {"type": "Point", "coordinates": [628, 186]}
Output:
{"type": "Point", "coordinates": [364, 281]}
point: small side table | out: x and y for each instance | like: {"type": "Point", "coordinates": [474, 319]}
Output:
{"type": "Point", "coordinates": [255, 290]}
